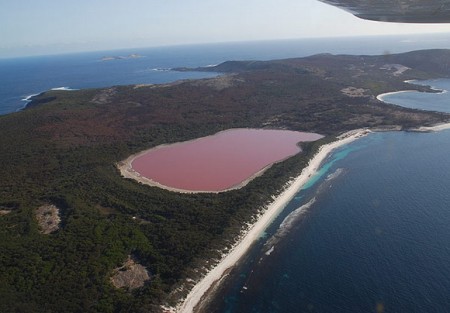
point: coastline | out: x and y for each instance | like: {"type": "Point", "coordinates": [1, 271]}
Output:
{"type": "Point", "coordinates": [380, 97]}
{"type": "Point", "coordinates": [434, 128]}
{"type": "Point", "coordinates": [30, 98]}
{"type": "Point", "coordinates": [418, 82]}
{"type": "Point", "coordinates": [204, 286]}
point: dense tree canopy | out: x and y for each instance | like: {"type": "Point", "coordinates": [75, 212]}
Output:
{"type": "Point", "coordinates": [64, 148]}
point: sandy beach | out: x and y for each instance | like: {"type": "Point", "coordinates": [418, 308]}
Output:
{"type": "Point", "coordinates": [383, 95]}
{"type": "Point", "coordinates": [434, 128]}
{"type": "Point", "coordinates": [413, 82]}
{"type": "Point", "coordinates": [200, 290]}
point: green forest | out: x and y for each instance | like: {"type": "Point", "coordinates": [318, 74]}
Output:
{"type": "Point", "coordinates": [63, 150]}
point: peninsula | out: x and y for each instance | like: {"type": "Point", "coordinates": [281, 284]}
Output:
{"type": "Point", "coordinates": [62, 153]}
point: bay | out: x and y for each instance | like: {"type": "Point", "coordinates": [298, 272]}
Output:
{"type": "Point", "coordinates": [439, 101]}
{"type": "Point", "coordinates": [22, 77]}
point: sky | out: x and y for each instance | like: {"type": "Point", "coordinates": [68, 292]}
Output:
{"type": "Point", "coordinates": [34, 27]}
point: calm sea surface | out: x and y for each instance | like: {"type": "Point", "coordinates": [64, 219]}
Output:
{"type": "Point", "coordinates": [421, 100]}
{"type": "Point", "coordinates": [376, 237]}
{"type": "Point", "coordinates": [23, 77]}
{"type": "Point", "coordinates": [370, 233]}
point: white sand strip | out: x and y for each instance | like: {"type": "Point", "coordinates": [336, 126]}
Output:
{"type": "Point", "coordinates": [383, 95]}
{"type": "Point", "coordinates": [434, 128]}
{"type": "Point", "coordinates": [413, 82]}
{"type": "Point", "coordinates": [253, 233]}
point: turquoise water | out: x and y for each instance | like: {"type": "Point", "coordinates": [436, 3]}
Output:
{"type": "Point", "coordinates": [369, 233]}
{"type": "Point", "coordinates": [325, 168]}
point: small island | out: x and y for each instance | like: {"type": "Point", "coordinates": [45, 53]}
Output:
{"type": "Point", "coordinates": [63, 150]}
{"type": "Point", "coordinates": [118, 57]}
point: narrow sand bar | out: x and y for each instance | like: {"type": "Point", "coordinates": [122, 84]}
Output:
{"type": "Point", "coordinates": [200, 290]}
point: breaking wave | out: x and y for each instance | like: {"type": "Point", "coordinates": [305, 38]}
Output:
{"type": "Point", "coordinates": [63, 88]}
{"type": "Point", "coordinates": [288, 223]}
{"type": "Point", "coordinates": [297, 215]}
{"type": "Point", "coordinates": [160, 69]}
{"type": "Point", "coordinates": [28, 98]}
{"type": "Point", "coordinates": [334, 175]}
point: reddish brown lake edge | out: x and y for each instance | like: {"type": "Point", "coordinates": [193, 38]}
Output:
{"type": "Point", "coordinates": [244, 139]}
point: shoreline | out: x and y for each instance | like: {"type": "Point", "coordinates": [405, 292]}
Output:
{"type": "Point", "coordinates": [29, 99]}
{"type": "Point", "coordinates": [125, 168]}
{"type": "Point", "coordinates": [434, 128]}
{"type": "Point", "coordinates": [383, 95]}
{"type": "Point", "coordinates": [412, 82]}
{"type": "Point", "coordinates": [203, 287]}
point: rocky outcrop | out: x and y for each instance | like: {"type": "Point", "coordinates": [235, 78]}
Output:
{"type": "Point", "coordinates": [130, 275]}
{"type": "Point", "coordinates": [48, 218]}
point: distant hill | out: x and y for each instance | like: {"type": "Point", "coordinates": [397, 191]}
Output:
{"type": "Point", "coordinates": [434, 62]}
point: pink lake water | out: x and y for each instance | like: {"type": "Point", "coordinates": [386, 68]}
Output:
{"type": "Point", "coordinates": [219, 162]}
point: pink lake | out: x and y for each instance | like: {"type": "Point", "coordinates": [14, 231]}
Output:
{"type": "Point", "coordinates": [223, 161]}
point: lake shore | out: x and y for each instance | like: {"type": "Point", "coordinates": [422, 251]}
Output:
{"type": "Point", "coordinates": [202, 289]}
{"type": "Point", "coordinates": [247, 148]}
{"type": "Point", "coordinates": [126, 170]}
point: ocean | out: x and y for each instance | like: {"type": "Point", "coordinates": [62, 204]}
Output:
{"type": "Point", "coordinates": [368, 234]}
{"type": "Point", "coordinates": [376, 237]}
{"type": "Point", "coordinates": [424, 101]}
{"type": "Point", "coordinates": [23, 77]}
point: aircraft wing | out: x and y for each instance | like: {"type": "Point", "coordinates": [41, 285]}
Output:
{"type": "Point", "coordinates": [403, 11]}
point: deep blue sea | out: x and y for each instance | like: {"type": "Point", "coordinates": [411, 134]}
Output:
{"type": "Point", "coordinates": [22, 77]}
{"type": "Point", "coordinates": [370, 233]}
{"type": "Point", "coordinates": [376, 239]}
